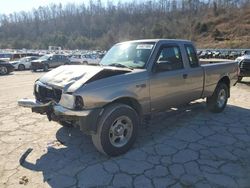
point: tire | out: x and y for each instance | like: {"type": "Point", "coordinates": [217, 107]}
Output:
{"type": "Point", "coordinates": [84, 62]}
{"type": "Point", "coordinates": [21, 67]}
{"type": "Point", "coordinates": [66, 123]}
{"type": "Point", "coordinates": [4, 70]}
{"type": "Point", "coordinates": [34, 70]}
{"type": "Point", "coordinates": [218, 101]}
{"type": "Point", "coordinates": [240, 78]}
{"type": "Point", "coordinates": [45, 68]}
{"type": "Point", "coordinates": [114, 138]}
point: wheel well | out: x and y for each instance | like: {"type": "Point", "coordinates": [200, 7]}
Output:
{"type": "Point", "coordinates": [133, 103]}
{"type": "Point", "coordinates": [226, 81]}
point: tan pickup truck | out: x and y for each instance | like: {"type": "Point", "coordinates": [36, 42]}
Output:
{"type": "Point", "coordinates": [134, 79]}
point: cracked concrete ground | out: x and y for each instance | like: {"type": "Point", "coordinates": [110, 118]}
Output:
{"type": "Point", "coordinates": [189, 147]}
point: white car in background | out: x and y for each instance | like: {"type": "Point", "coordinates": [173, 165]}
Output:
{"type": "Point", "coordinates": [23, 63]}
{"type": "Point", "coordinates": [85, 59]}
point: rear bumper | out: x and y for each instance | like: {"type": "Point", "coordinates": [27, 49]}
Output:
{"type": "Point", "coordinates": [87, 119]}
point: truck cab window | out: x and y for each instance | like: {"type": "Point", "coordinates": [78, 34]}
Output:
{"type": "Point", "coordinates": [170, 55]}
{"type": "Point", "coordinates": [192, 57]}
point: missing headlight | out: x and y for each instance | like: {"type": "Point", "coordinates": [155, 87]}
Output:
{"type": "Point", "coordinates": [79, 103]}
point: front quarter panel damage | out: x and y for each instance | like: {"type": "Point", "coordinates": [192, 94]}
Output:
{"type": "Point", "coordinates": [133, 85]}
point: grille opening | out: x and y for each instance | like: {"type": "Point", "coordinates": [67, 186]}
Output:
{"type": "Point", "coordinates": [45, 95]}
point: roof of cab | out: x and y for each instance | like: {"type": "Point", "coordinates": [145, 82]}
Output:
{"type": "Point", "coordinates": [159, 40]}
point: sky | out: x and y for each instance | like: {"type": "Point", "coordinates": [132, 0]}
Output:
{"type": "Point", "coordinates": [10, 6]}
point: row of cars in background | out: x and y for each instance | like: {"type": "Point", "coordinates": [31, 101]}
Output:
{"type": "Point", "coordinates": [222, 53]}
{"type": "Point", "coordinates": [244, 66]}
{"type": "Point", "coordinates": [34, 62]}
{"type": "Point", "coordinates": [42, 61]}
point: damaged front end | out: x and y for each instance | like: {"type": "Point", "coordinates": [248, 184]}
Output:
{"type": "Point", "coordinates": [60, 107]}
{"type": "Point", "coordinates": [56, 98]}
{"type": "Point", "coordinates": [85, 119]}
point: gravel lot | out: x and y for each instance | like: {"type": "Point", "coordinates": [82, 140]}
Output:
{"type": "Point", "coordinates": [189, 147]}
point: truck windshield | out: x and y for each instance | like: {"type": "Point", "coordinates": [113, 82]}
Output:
{"type": "Point", "coordinates": [131, 55]}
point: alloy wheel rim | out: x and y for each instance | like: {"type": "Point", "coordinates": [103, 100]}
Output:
{"type": "Point", "coordinates": [3, 70]}
{"type": "Point", "coordinates": [221, 98]}
{"type": "Point", "coordinates": [120, 131]}
{"type": "Point", "coordinates": [21, 67]}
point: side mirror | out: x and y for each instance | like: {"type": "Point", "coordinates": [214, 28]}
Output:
{"type": "Point", "coordinates": [51, 58]}
{"type": "Point", "coordinates": [163, 66]}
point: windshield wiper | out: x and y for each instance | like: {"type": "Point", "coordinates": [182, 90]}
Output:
{"type": "Point", "coordinates": [120, 65]}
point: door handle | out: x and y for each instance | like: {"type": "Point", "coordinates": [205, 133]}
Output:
{"type": "Point", "coordinates": [185, 76]}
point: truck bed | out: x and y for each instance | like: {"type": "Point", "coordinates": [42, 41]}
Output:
{"type": "Point", "coordinates": [216, 71]}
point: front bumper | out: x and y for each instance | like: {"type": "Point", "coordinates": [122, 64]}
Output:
{"type": "Point", "coordinates": [11, 68]}
{"type": "Point", "coordinates": [36, 66]}
{"type": "Point", "coordinates": [15, 66]}
{"type": "Point", "coordinates": [87, 119]}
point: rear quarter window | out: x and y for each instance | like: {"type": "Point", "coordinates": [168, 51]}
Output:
{"type": "Point", "coordinates": [192, 56]}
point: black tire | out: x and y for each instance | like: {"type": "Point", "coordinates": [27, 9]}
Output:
{"type": "Point", "coordinates": [109, 119]}
{"type": "Point", "coordinates": [46, 68]}
{"type": "Point", "coordinates": [215, 103]}
{"type": "Point", "coordinates": [4, 70]}
{"type": "Point", "coordinates": [84, 62]}
{"type": "Point", "coordinates": [240, 78]}
{"type": "Point", "coordinates": [21, 67]}
{"type": "Point", "coordinates": [34, 70]}
{"type": "Point", "coordinates": [66, 123]}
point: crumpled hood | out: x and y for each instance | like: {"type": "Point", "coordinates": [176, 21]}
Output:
{"type": "Point", "coordinates": [71, 77]}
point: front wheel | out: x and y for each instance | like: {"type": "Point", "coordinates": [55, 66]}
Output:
{"type": "Point", "coordinates": [117, 130]}
{"type": "Point", "coordinates": [21, 67]}
{"type": "Point", "coordinates": [3, 70]}
{"type": "Point", "coordinates": [218, 101]}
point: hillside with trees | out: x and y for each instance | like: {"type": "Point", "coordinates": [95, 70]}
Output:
{"type": "Point", "coordinates": [95, 25]}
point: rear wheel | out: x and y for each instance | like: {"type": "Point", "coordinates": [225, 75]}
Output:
{"type": "Point", "coordinates": [218, 101]}
{"type": "Point", "coordinates": [3, 70]}
{"type": "Point", "coordinates": [21, 67]}
{"type": "Point", "coordinates": [117, 130]}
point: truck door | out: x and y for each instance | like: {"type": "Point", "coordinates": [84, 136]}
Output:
{"type": "Point", "coordinates": [195, 76]}
{"type": "Point", "coordinates": [53, 61]}
{"type": "Point", "coordinates": [168, 79]}
{"type": "Point", "coordinates": [57, 60]}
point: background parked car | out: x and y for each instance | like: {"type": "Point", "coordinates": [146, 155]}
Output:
{"type": "Point", "coordinates": [5, 56]}
{"type": "Point", "coordinates": [206, 54]}
{"type": "Point", "coordinates": [244, 65]}
{"type": "Point", "coordinates": [23, 63]}
{"type": "Point", "coordinates": [85, 59]}
{"type": "Point", "coordinates": [49, 61]}
{"type": "Point", "coordinates": [5, 67]}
